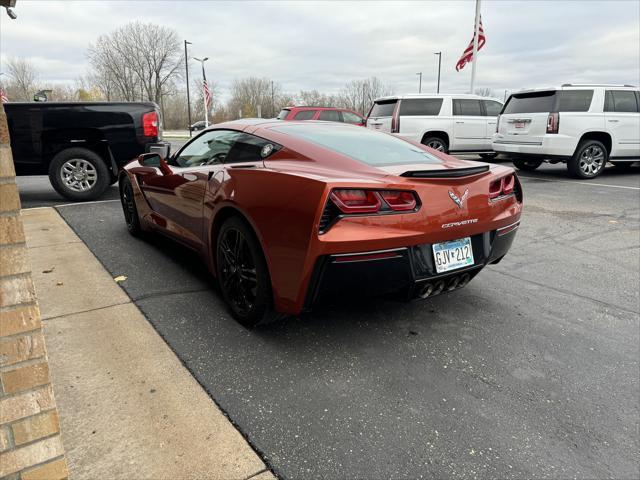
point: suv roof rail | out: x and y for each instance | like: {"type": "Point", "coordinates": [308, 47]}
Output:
{"type": "Point", "coordinates": [596, 85]}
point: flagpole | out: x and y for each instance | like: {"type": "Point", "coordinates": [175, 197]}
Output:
{"type": "Point", "coordinates": [204, 97]}
{"type": "Point", "coordinates": [475, 46]}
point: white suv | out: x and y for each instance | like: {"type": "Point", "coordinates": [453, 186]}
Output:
{"type": "Point", "coordinates": [449, 123]}
{"type": "Point", "coordinates": [582, 125]}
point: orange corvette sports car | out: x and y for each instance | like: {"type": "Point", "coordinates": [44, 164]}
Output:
{"type": "Point", "coordinates": [287, 213]}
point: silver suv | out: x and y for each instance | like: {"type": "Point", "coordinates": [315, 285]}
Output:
{"type": "Point", "coordinates": [583, 126]}
{"type": "Point", "coordinates": [450, 123]}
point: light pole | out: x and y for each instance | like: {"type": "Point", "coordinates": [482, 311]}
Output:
{"type": "Point", "coordinates": [439, 65]}
{"type": "Point", "coordinates": [204, 97]}
{"type": "Point", "coordinates": [186, 69]}
{"type": "Point", "coordinates": [420, 82]}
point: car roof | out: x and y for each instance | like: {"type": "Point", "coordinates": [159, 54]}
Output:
{"type": "Point", "coordinates": [432, 95]}
{"type": "Point", "coordinates": [576, 86]}
{"type": "Point", "coordinates": [311, 107]}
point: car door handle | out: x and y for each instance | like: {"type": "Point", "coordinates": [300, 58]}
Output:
{"type": "Point", "coordinates": [612, 120]}
{"type": "Point", "coordinates": [458, 121]}
{"type": "Point", "coordinates": [491, 123]}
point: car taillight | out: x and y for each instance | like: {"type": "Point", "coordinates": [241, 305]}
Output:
{"type": "Point", "coordinates": [398, 200]}
{"type": "Point", "coordinates": [356, 201]}
{"type": "Point", "coordinates": [502, 187]}
{"type": "Point", "coordinates": [353, 201]}
{"type": "Point", "coordinates": [553, 122]}
{"type": "Point", "coordinates": [395, 120]}
{"type": "Point", "coordinates": [150, 124]}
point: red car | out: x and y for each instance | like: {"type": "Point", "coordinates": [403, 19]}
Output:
{"type": "Point", "coordinates": [288, 213]}
{"type": "Point", "coordinates": [328, 114]}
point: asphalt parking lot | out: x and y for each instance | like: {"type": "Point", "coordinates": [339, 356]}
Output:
{"type": "Point", "coordinates": [531, 371]}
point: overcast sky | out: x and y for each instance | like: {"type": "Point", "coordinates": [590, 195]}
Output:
{"type": "Point", "coordinates": [325, 44]}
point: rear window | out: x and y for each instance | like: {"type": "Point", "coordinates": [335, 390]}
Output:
{"type": "Point", "coordinates": [364, 145]}
{"type": "Point", "coordinates": [283, 114]}
{"type": "Point", "coordinates": [535, 102]}
{"type": "Point", "coordinates": [550, 101]}
{"type": "Point", "coordinates": [467, 107]}
{"type": "Point", "coordinates": [305, 115]}
{"type": "Point", "coordinates": [420, 106]}
{"type": "Point", "coordinates": [383, 108]}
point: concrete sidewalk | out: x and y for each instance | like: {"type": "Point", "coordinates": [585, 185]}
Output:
{"type": "Point", "coordinates": [128, 408]}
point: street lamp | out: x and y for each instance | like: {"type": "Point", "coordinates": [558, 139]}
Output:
{"type": "Point", "coordinates": [420, 84]}
{"type": "Point", "coordinates": [439, 64]}
{"type": "Point", "coordinates": [204, 82]}
{"type": "Point", "coordinates": [186, 69]}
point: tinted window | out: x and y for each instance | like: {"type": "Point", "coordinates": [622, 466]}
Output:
{"type": "Point", "coordinates": [383, 108]}
{"type": "Point", "coordinates": [349, 117]}
{"type": "Point", "coordinates": [330, 116]}
{"type": "Point", "coordinates": [492, 108]}
{"type": "Point", "coordinates": [620, 101]}
{"type": "Point", "coordinates": [531, 102]}
{"type": "Point", "coordinates": [420, 106]}
{"type": "Point", "coordinates": [574, 100]}
{"type": "Point", "coordinates": [367, 146]}
{"type": "Point", "coordinates": [283, 114]}
{"type": "Point", "coordinates": [208, 149]}
{"type": "Point", "coordinates": [247, 148]}
{"type": "Point", "coordinates": [305, 115]}
{"type": "Point", "coordinates": [467, 107]}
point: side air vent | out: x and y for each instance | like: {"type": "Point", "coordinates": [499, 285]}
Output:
{"type": "Point", "coordinates": [330, 213]}
{"type": "Point", "coordinates": [448, 173]}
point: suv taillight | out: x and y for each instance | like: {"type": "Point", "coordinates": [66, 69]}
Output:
{"type": "Point", "coordinates": [150, 124]}
{"type": "Point", "coordinates": [395, 119]}
{"type": "Point", "coordinates": [553, 122]}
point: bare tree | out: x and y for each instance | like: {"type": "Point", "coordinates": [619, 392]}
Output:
{"type": "Point", "coordinates": [317, 99]}
{"type": "Point", "coordinates": [484, 92]}
{"type": "Point", "coordinates": [247, 94]}
{"type": "Point", "coordinates": [136, 61]}
{"type": "Point", "coordinates": [23, 79]}
{"type": "Point", "coordinates": [358, 95]}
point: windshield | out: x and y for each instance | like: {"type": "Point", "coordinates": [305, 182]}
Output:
{"type": "Point", "coordinates": [367, 146]}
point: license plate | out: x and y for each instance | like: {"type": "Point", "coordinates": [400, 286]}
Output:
{"type": "Point", "coordinates": [519, 124]}
{"type": "Point", "coordinates": [453, 255]}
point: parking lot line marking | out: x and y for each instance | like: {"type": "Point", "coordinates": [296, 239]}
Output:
{"type": "Point", "coordinates": [587, 184]}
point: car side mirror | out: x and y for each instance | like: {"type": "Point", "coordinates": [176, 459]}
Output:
{"type": "Point", "coordinates": [149, 159]}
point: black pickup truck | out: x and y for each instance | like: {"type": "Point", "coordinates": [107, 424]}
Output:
{"type": "Point", "coordinates": [81, 146]}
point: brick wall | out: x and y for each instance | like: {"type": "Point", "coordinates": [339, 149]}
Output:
{"type": "Point", "coordinates": [30, 442]}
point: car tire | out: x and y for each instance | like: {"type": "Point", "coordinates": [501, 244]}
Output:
{"type": "Point", "coordinates": [488, 156]}
{"type": "Point", "coordinates": [79, 174]}
{"type": "Point", "coordinates": [243, 275]}
{"type": "Point", "coordinates": [527, 165]}
{"type": "Point", "coordinates": [437, 143]}
{"type": "Point", "coordinates": [589, 160]}
{"type": "Point", "coordinates": [129, 208]}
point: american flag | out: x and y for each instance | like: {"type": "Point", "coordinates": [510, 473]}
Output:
{"type": "Point", "coordinates": [467, 56]}
{"type": "Point", "coordinates": [3, 96]}
{"type": "Point", "coordinates": [207, 93]}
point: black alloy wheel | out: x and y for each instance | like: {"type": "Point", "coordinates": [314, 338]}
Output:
{"type": "Point", "coordinates": [129, 207]}
{"type": "Point", "coordinates": [243, 275]}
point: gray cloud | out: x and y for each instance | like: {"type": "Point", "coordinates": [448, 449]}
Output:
{"type": "Point", "coordinates": [324, 44]}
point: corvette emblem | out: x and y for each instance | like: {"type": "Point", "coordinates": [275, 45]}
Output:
{"type": "Point", "coordinates": [459, 200]}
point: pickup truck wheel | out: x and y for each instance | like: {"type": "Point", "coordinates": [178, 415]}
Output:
{"type": "Point", "coordinates": [79, 174]}
{"type": "Point", "coordinates": [589, 160]}
{"type": "Point", "coordinates": [527, 165]}
{"type": "Point", "coordinates": [436, 143]}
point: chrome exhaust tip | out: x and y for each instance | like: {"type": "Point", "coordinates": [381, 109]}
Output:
{"type": "Point", "coordinates": [464, 279]}
{"type": "Point", "coordinates": [453, 284]}
{"type": "Point", "coordinates": [439, 288]}
{"type": "Point", "coordinates": [426, 290]}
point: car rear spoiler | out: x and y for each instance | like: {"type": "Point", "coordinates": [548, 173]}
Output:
{"type": "Point", "coordinates": [448, 173]}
